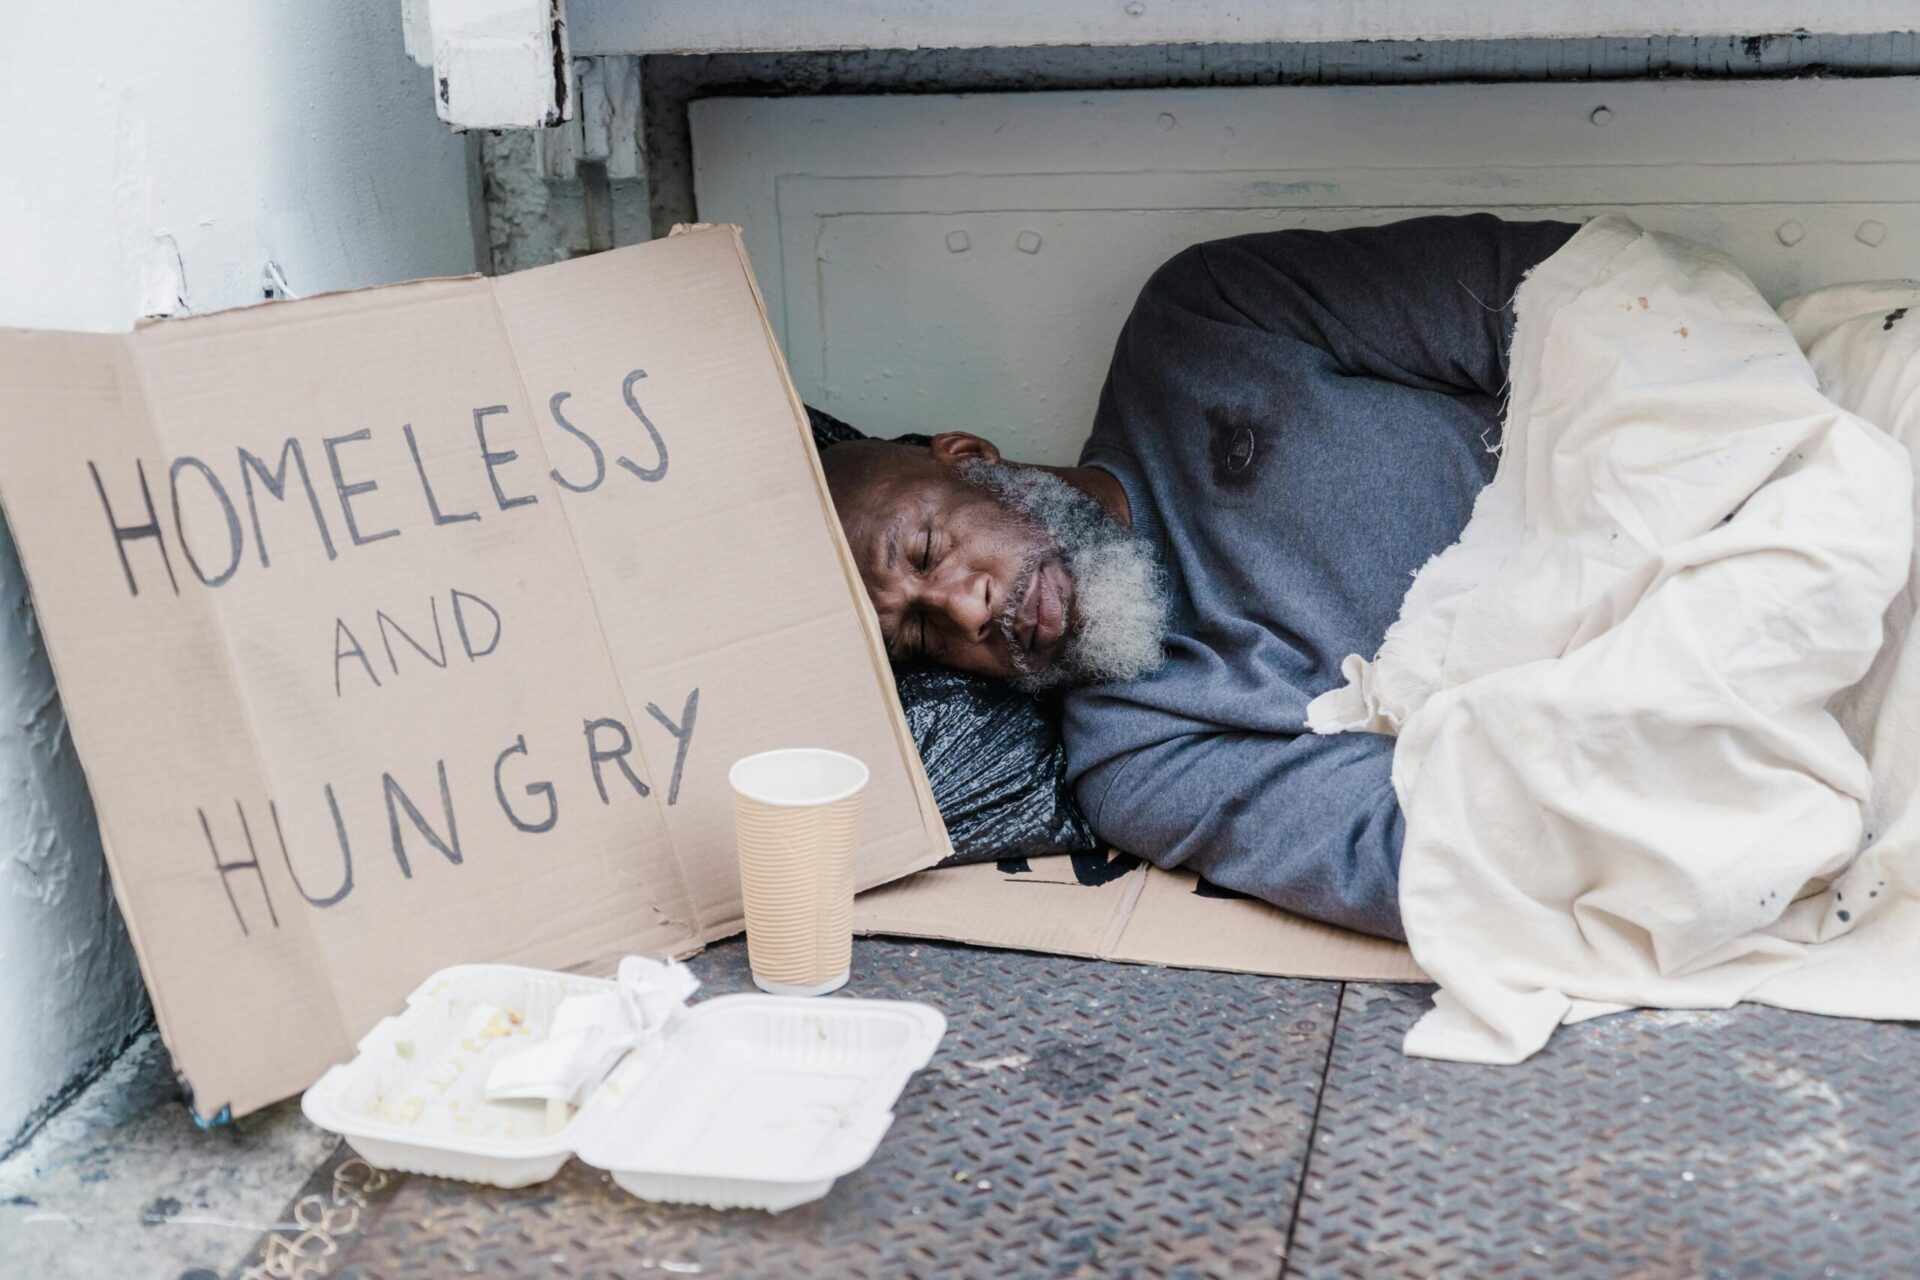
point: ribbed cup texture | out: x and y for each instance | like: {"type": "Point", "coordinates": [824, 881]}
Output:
{"type": "Point", "coordinates": [796, 876]}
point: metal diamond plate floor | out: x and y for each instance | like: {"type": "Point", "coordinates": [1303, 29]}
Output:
{"type": "Point", "coordinates": [1080, 1119]}
{"type": "Point", "coordinates": [1100, 1120]}
{"type": "Point", "coordinates": [1744, 1143]}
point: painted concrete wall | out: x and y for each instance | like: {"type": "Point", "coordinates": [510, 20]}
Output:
{"type": "Point", "coordinates": [931, 262]}
{"type": "Point", "coordinates": [670, 83]}
{"type": "Point", "coordinates": [158, 157]}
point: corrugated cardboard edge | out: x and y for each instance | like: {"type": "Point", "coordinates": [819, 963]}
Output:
{"type": "Point", "coordinates": [936, 827]}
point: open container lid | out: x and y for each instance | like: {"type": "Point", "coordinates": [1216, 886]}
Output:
{"type": "Point", "coordinates": [746, 1101]}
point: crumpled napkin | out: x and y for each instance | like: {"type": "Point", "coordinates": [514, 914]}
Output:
{"type": "Point", "coordinates": [591, 1033]}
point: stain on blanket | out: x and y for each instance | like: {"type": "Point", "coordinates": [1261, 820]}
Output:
{"type": "Point", "coordinates": [1892, 316]}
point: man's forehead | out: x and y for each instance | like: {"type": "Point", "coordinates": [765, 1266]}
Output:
{"type": "Point", "coordinates": [867, 465]}
{"type": "Point", "coordinates": [879, 534]}
{"type": "Point", "coordinates": [881, 495]}
{"type": "Point", "coordinates": [900, 496]}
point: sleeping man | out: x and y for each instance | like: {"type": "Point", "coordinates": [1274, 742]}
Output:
{"type": "Point", "coordinates": [1294, 422]}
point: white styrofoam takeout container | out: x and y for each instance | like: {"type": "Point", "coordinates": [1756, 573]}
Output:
{"type": "Point", "coordinates": [750, 1101]}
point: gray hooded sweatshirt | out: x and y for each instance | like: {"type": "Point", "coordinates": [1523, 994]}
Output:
{"type": "Point", "coordinates": [1300, 419]}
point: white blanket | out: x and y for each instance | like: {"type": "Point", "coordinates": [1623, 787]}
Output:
{"type": "Point", "coordinates": [1656, 746]}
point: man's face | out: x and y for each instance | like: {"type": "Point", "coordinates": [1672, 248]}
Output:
{"type": "Point", "coordinates": [956, 576]}
{"type": "Point", "coordinates": [1002, 570]}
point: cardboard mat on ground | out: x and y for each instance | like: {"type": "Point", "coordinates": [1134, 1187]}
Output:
{"type": "Point", "coordinates": [1110, 906]}
{"type": "Point", "coordinates": [420, 625]}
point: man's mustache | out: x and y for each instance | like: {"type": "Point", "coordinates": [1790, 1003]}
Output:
{"type": "Point", "coordinates": [1016, 598]}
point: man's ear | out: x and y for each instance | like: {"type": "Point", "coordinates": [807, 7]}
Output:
{"type": "Point", "coordinates": [951, 448]}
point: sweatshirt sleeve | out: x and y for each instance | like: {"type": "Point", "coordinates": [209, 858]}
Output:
{"type": "Point", "coordinates": [1310, 824]}
{"type": "Point", "coordinates": [1301, 419]}
{"type": "Point", "coordinates": [1426, 302]}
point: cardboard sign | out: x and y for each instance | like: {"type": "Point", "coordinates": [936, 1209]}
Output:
{"type": "Point", "coordinates": [420, 625]}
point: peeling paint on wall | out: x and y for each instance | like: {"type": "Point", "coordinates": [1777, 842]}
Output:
{"type": "Point", "coordinates": [163, 279]}
{"type": "Point", "coordinates": [532, 221]}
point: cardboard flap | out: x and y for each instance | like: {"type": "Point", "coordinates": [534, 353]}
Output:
{"type": "Point", "coordinates": [80, 439]}
{"type": "Point", "coordinates": [431, 635]}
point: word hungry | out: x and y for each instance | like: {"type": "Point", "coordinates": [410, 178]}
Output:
{"type": "Point", "coordinates": [529, 807]}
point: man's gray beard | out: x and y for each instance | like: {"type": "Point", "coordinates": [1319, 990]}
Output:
{"type": "Point", "coordinates": [1119, 620]}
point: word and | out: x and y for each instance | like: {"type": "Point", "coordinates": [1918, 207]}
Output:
{"type": "Point", "coordinates": [476, 622]}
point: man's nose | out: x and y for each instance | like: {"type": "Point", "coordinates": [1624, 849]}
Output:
{"type": "Point", "coordinates": [966, 597]}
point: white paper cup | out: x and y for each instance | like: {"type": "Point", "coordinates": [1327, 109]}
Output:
{"type": "Point", "coordinates": [797, 823]}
